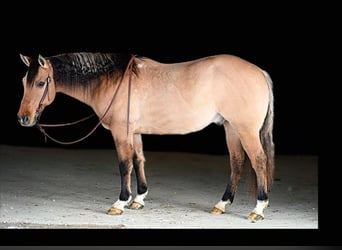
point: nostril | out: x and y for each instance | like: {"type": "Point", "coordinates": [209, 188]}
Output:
{"type": "Point", "coordinates": [24, 120]}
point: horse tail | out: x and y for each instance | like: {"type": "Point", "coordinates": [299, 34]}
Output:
{"type": "Point", "coordinates": [266, 132]}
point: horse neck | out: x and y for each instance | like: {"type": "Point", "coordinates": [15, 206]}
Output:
{"type": "Point", "coordinates": [77, 93]}
{"type": "Point", "coordinates": [96, 98]}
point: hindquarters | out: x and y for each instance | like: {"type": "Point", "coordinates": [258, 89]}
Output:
{"type": "Point", "coordinates": [246, 103]}
{"type": "Point", "coordinates": [244, 98]}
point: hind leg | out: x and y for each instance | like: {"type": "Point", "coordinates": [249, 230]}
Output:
{"type": "Point", "coordinates": [252, 145]}
{"type": "Point", "coordinates": [237, 161]}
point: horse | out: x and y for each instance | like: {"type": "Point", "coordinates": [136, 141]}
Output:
{"type": "Point", "coordinates": [134, 95]}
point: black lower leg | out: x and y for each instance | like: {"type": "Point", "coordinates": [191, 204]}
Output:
{"type": "Point", "coordinates": [262, 194]}
{"type": "Point", "coordinates": [124, 173]}
{"type": "Point", "coordinates": [228, 195]}
{"type": "Point", "coordinates": [141, 184]}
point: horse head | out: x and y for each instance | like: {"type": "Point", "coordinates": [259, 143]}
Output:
{"type": "Point", "coordinates": [39, 90]}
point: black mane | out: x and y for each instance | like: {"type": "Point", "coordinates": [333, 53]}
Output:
{"type": "Point", "coordinates": [83, 69]}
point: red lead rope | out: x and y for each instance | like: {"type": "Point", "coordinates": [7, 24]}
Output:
{"type": "Point", "coordinates": [40, 126]}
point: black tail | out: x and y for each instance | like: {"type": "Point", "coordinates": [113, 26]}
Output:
{"type": "Point", "coordinates": [266, 134]}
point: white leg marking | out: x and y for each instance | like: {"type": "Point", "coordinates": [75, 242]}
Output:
{"type": "Point", "coordinates": [140, 198]}
{"type": "Point", "coordinates": [122, 204]}
{"type": "Point", "coordinates": [222, 205]}
{"type": "Point", "coordinates": [260, 206]}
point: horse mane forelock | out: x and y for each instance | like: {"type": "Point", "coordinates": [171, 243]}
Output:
{"type": "Point", "coordinates": [84, 69]}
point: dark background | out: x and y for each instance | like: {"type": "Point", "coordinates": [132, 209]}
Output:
{"type": "Point", "coordinates": [285, 38]}
{"type": "Point", "coordinates": [276, 38]}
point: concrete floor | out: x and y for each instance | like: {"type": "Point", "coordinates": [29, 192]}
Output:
{"type": "Point", "coordinates": [68, 188]}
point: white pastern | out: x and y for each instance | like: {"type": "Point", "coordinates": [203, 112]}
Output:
{"type": "Point", "coordinates": [140, 198]}
{"type": "Point", "coordinates": [122, 204]}
{"type": "Point", "coordinates": [222, 205]}
{"type": "Point", "coordinates": [260, 206]}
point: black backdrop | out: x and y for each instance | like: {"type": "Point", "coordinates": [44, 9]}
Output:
{"type": "Point", "coordinates": [283, 38]}
{"type": "Point", "coordinates": [275, 38]}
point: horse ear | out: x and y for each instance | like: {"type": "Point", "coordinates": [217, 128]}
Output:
{"type": "Point", "coordinates": [27, 60]}
{"type": "Point", "coordinates": [42, 62]}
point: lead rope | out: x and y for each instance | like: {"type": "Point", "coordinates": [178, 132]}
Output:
{"type": "Point", "coordinates": [46, 135]}
{"type": "Point", "coordinates": [129, 95]}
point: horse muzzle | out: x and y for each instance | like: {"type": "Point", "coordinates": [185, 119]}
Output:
{"type": "Point", "coordinates": [26, 121]}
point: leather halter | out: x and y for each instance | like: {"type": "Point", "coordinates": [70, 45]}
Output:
{"type": "Point", "coordinates": [46, 92]}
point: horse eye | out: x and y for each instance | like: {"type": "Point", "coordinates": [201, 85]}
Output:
{"type": "Point", "coordinates": [40, 84]}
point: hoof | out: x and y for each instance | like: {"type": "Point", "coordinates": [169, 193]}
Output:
{"type": "Point", "coordinates": [253, 217]}
{"type": "Point", "coordinates": [115, 211]}
{"type": "Point", "coordinates": [216, 211]}
{"type": "Point", "coordinates": [135, 205]}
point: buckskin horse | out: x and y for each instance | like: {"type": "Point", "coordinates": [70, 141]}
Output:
{"type": "Point", "coordinates": [135, 95]}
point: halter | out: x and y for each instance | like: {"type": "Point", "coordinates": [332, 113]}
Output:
{"type": "Point", "coordinates": [46, 92]}
{"type": "Point", "coordinates": [40, 126]}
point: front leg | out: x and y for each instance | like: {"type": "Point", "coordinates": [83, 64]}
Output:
{"type": "Point", "coordinates": [138, 164]}
{"type": "Point", "coordinates": [124, 149]}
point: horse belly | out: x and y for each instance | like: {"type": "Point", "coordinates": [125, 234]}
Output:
{"type": "Point", "coordinates": [178, 122]}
